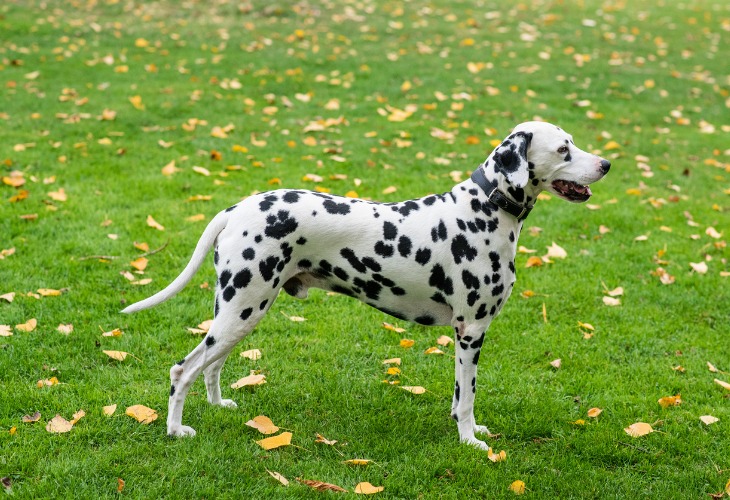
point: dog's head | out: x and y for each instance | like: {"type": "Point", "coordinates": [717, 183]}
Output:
{"type": "Point", "coordinates": [540, 156]}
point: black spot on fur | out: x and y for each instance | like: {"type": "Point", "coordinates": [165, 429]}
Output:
{"type": "Point", "coordinates": [461, 224]}
{"type": "Point", "coordinates": [495, 258]}
{"type": "Point", "coordinates": [267, 202]}
{"type": "Point", "coordinates": [280, 225]}
{"type": "Point", "coordinates": [246, 313]}
{"type": "Point", "coordinates": [390, 231]}
{"type": "Point", "coordinates": [371, 288]}
{"type": "Point", "coordinates": [497, 290]}
{"type": "Point", "coordinates": [481, 312]}
{"type": "Point", "coordinates": [383, 250]}
{"type": "Point", "coordinates": [301, 241]}
{"type": "Point", "coordinates": [267, 267]}
{"type": "Point", "coordinates": [408, 207]}
{"type": "Point", "coordinates": [305, 263]}
{"type": "Point", "coordinates": [248, 254]}
{"type": "Point", "coordinates": [429, 200]}
{"type": "Point", "coordinates": [224, 278]}
{"type": "Point", "coordinates": [423, 255]}
{"type": "Point", "coordinates": [341, 273]}
{"type": "Point", "coordinates": [258, 238]}
{"type": "Point", "coordinates": [209, 340]}
{"type": "Point", "coordinates": [336, 208]}
{"type": "Point", "coordinates": [291, 197]}
{"type": "Point", "coordinates": [229, 209]}
{"type": "Point", "coordinates": [439, 280]}
{"type": "Point", "coordinates": [216, 257]}
{"type": "Point", "coordinates": [470, 280]}
{"type": "Point", "coordinates": [242, 278]}
{"type": "Point", "coordinates": [396, 290]}
{"type": "Point", "coordinates": [350, 256]}
{"type": "Point", "coordinates": [460, 249]}
{"type": "Point", "coordinates": [229, 293]}
{"type": "Point", "coordinates": [404, 246]}
{"type": "Point", "coordinates": [172, 390]}
{"type": "Point", "coordinates": [425, 320]}
{"type": "Point", "coordinates": [371, 264]}
{"type": "Point", "coordinates": [262, 306]}
{"type": "Point", "coordinates": [439, 232]}
{"type": "Point", "coordinates": [472, 298]}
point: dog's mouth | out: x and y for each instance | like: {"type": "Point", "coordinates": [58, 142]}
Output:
{"type": "Point", "coordinates": [571, 191]}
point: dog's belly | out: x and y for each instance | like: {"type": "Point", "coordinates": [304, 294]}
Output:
{"type": "Point", "coordinates": [404, 302]}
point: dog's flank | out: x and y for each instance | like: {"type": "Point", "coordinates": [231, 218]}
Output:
{"type": "Point", "coordinates": [444, 259]}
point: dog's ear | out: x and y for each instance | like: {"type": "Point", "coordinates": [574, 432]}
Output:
{"type": "Point", "coordinates": [510, 159]}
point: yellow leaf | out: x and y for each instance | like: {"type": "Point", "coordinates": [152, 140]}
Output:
{"type": "Point", "coordinates": [109, 410]}
{"type": "Point", "coordinates": [29, 419]}
{"type": "Point", "coordinates": [77, 416]}
{"type": "Point", "coordinates": [9, 297]}
{"type": "Point", "coordinates": [416, 389]}
{"type": "Point", "coordinates": [252, 354]}
{"type": "Point", "coordinates": [392, 361]}
{"type": "Point", "coordinates": [28, 326]}
{"type": "Point", "coordinates": [496, 457]}
{"type": "Point", "coordinates": [136, 101]}
{"type": "Point", "coordinates": [366, 488]}
{"type": "Point", "coordinates": [65, 329]}
{"type": "Point", "coordinates": [433, 350]}
{"type": "Point", "coordinates": [59, 425]}
{"type": "Point", "coordinates": [392, 328]}
{"type": "Point", "coordinates": [283, 439]}
{"type": "Point", "coordinates": [668, 401]}
{"type": "Point", "coordinates": [169, 169]}
{"type": "Point", "coordinates": [407, 343]}
{"type": "Point", "coordinates": [142, 414]}
{"type": "Point", "coordinates": [278, 477]}
{"type": "Point", "coordinates": [699, 267]}
{"type": "Point", "coordinates": [638, 429]}
{"type": "Point", "coordinates": [154, 224]}
{"type": "Point", "coordinates": [594, 412]}
{"type": "Point", "coordinates": [393, 370]}
{"type": "Point", "coordinates": [722, 384]}
{"type": "Point", "coordinates": [118, 355]}
{"type": "Point", "coordinates": [443, 340]}
{"type": "Point", "coordinates": [59, 195]}
{"type": "Point", "coordinates": [252, 379]}
{"type": "Point", "coordinates": [324, 440]}
{"type": "Point", "coordinates": [6, 331]}
{"type": "Point", "coordinates": [139, 264]}
{"type": "Point", "coordinates": [711, 367]}
{"type": "Point", "coordinates": [556, 363]}
{"type": "Point", "coordinates": [358, 461]}
{"type": "Point", "coordinates": [517, 487]}
{"type": "Point", "coordinates": [611, 302]}
{"type": "Point", "coordinates": [556, 252]}
{"type": "Point", "coordinates": [296, 319]}
{"type": "Point", "coordinates": [390, 190]}
{"type": "Point", "coordinates": [113, 333]}
{"type": "Point", "coordinates": [709, 420]}
{"type": "Point", "coordinates": [47, 382]}
{"type": "Point", "coordinates": [195, 218]}
{"type": "Point", "coordinates": [587, 326]}
{"type": "Point", "coordinates": [263, 424]}
{"type": "Point", "coordinates": [48, 292]}
{"type": "Point", "coordinates": [534, 262]}
{"type": "Point", "coordinates": [320, 486]}
{"type": "Point", "coordinates": [616, 292]}
{"type": "Point", "coordinates": [612, 145]}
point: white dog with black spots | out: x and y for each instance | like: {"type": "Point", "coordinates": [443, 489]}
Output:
{"type": "Point", "coordinates": [445, 259]}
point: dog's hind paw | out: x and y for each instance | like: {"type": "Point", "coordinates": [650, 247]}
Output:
{"type": "Point", "coordinates": [228, 403]}
{"type": "Point", "coordinates": [481, 429]}
{"type": "Point", "coordinates": [181, 431]}
{"type": "Point", "coordinates": [476, 443]}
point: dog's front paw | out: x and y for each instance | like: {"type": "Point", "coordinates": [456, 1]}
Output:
{"type": "Point", "coordinates": [228, 403]}
{"type": "Point", "coordinates": [476, 443]}
{"type": "Point", "coordinates": [181, 431]}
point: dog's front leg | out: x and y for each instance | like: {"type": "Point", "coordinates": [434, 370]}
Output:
{"type": "Point", "coordinates": [469, 339]}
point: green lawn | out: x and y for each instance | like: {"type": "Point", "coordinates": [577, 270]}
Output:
{"type": "Point", "coordinates": [98, 97]}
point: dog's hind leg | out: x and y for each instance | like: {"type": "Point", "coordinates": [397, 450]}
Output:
{"type": "Point", "coordinates": [469, 340]}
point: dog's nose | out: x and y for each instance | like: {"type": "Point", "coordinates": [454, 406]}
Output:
{"type": "Point", "coordinates": [605, 166]}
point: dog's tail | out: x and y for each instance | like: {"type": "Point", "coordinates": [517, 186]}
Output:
{"type": "Point", "coordinates": [205, 243]}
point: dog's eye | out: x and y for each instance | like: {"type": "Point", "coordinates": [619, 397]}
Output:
{"type": "Point", "coordinates": [563, 149]}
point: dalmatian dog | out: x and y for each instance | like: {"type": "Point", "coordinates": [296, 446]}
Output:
{"type": "Point", "coordinates": [445, 259]}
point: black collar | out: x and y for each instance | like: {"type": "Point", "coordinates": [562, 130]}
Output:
{"type": "Point", "coordinates": [499, 198]}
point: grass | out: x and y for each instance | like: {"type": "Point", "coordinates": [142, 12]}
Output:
{"type": "Point", "coordinates": [227, 63]}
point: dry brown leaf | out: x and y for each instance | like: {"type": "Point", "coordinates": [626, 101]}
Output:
{"type": "Point", "coordinates": [59, 195]}
{"type": "Point", "coordinates": [414, 389]}
{"type": "Point", "coordinates": [29, 419]}
{"type": "Point", "coordinates": [556, 363]}
{"type": "Point", "coordinates": [392, 361]}
{"type": "Point", "coordinates": [263, 424]}
{"type": "Point", "coordinates": [65, 329]}
{"type": "Point", "coordinates": [711, 367]}
{"type": "Point", "coordinates": [140, 264]}
{"type": "Point", "coordinates": [407, 343]}
{"type": "Point", "coordinates": [444, 340]}
{"type": "Point", "coordinates": [278, 477]}
{"type": "Point", "coordinates": [638, 429]}
{"type": "Point", "coordinates": [251, 380]}
{"type": "Point", "coordinates": [252, 354]}
{"type": "Point", "coordinates": [77, 416]}
{"type": "Point", "coordinates": [433, 350]}
{"type": "Point", "coordinates": [59, 425]}
{"type": "Point", "coordinates": [556, 252]}
{"type": "Point", "coordinates": [668, 401]}
{"type": "Point", "coordinates": [120, 485]}
{"type": "Point", "coordinates": [6, 331]}
{"type": "Point", "coordinates": [320, 486]}
{"type": "Point", "coordinates": [517, 487]}
{"type": "Point", "coordinates": [28, 326]}
{"type": "Point", "coordinates": [321, 439]}
{"type": "Point", "coordinates": [594, 412]}
{"type": "Point", "coordinates": [366, 488]}
{"type": "Point", "coordinates": [534, 262]}
{"type": "Point", "coordinates": [358, 461]}
{"type": "Point", "coordinates": [118, 355]}
{"type": "Point", "coordinates": [142, 414]}
{"type": "Point", "coordinates": [47, 382]}
{"type": "Point", "coordinates": [113, 333]}
{"type": "Point", "coordinates": [611, 301]}
{"type": "Point", "coordinates": [699, 267]}
{"type": "Point", "coordinates": [496, 457]}
{"type": "Point", "coordinates": [392, 328]}
{"type": "Point", "coordinates": [295, 319]}
{"type": "Point", "coordinates": [151, 222]}
{"type": "Point", "coordinates": [722, 384]}
{"type": "Point", "coordinates": [109, 410]}
{"type": "Point", "coordinates": [283, 439]}
{"type": "Point", "coordinates": [48, 292]}
{"type": "Point", "coordinates": [709, 420]}
{"type": "Point", "coordinates": [8, 297]}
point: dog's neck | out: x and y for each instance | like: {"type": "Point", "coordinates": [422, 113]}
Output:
{"type": "Point", "coordinates": [515, 201]}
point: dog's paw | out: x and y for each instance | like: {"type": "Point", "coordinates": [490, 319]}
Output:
{"type": "Point", "coordinates": [476, 443]}
{"type": "Point", "coordinates": [181, 431]}
{"type": "Point", "coordinates": [482, 429]}
{"type": "Point", "coordinates": [228, 403]}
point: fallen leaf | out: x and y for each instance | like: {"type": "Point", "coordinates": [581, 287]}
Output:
{"type": "Point", "coordinates": [392, 328]}
{"type": "Point", "coordinates": [65, 329]}
{"type": "Point", "coordinates": [48, 292]}
{"type": "Point", "coordinates": [709, 420]}
{"type": "Point", "coordinates": [29, 419]}
{"type": "Point", "coordinates": [320, 486]}
{"type": "Point", "coordinates": [169, 169]}
{"type": "Point", "coordinates": [28, 326]}
{"type": "Point", "coordinates": [407, 343]}
{"type": "Point", "coordinates": [393, 370]}
{"type": "Point", "coordinates": [154, 224]}
{"type": "Point", "coordinates": [263, 424]}
{"type": "Point", "coordinates": [109, 410]}
{"type": "Point", "coordinates": [722, 384]}
{"type": "Point", "coordinates": [47, 382]}
{"type": "Point", "coordinates": [366, 488]}
{"type": "Point", "coordinates": [59, 425]}
{"type": "Point", "coordinates": [534, 262]}
{"type": "Point", "coordinates": [556, 363]}
{"type": "Point", "coordinates": [120, 485]}
{"type": "Point", "coordinates": [496, 457]}
{"type": "Point", "coordinates": [142, 414]}
{"type": "Point", "coordinates": [616, 292]}
{"type": "Point", "coordinates": [433, 350]}
{"type": "Point", "coordinates": [113, 333]}
{"type": "Point", "coordinates": [283, 439]}
{"type": "Point", "coordinates": [668, 401]}
{"type": "Point", "coordinates": [251, 380]}
{"type": "Point", "coordinates": [392, 361]}
{"type": "Point", "coordinates": [556, 252]}
{"type": "Point", "coordinates": [9, 297]}
{"type": "Point", "coordinates": [140, 264]}
{"type": "Point", "coordinates": [358, 461]}
{"type": "Point", "coordinates": [295, 319]}
{"type": "Point", "coordinates": [413, 389]}
{"type": "Point", "coordinates": [77, 416]}
{"type": "Point", "coordinates": [118, 355]}
{"type": "Point", "coordinates": [321, 439]}
{"type": "Point", "coordinates": [252, 354]}
{"type": "Point", "coordinates": [713, 233]}
{"type": "Point", "coordinates": [443, 340]}
{"type": "Point", "coordinates": [711, 367]}
{"type": "Point", "coordinates": [580, 421]}
{"type": "Point", "coordinates": [278, 477]}
{"type": "Point", "coordinates": [611, 302]}
{"type": "Point", "coordinates": [517, 487]}
{"type": "Point", "coordinates": [638, 429]}
{"type": "Point", "coordinates": [699, 267]}
{"type": "Point", "coordinates": [594, 412]}
{"type": "Point", "coordinates": [6, 331]}
{"type": "Point", "coordinates": [59, 195]}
